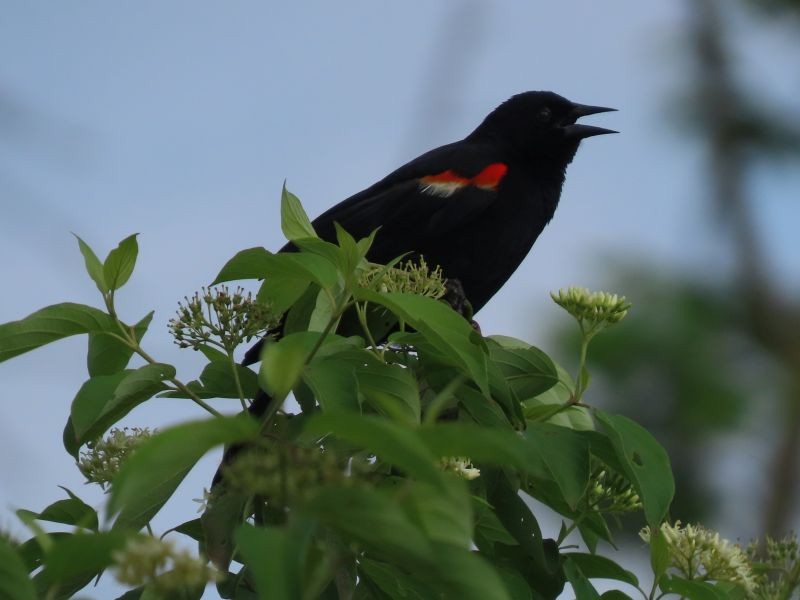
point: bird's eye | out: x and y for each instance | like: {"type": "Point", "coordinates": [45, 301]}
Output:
{"type": "Point", "coordinates": [544, 115]}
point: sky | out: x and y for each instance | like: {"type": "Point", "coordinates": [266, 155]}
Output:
{"type": "Point", "coordinates": [181, 121]}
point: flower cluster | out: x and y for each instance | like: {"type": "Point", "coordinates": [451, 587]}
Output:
{"type": "Point", "coordinates": [700, 553]}
{"type": "Point", "coordinates": [611, 493]}
{"type": "Point", "coordinates": [101, 460]}
{"type": "Point", "coordinates": [593, 310]}
{"type": "Point", "coordinates": [461, 466]}
{"type": "Point", "coordinates": [411, 277]}
{"type": "Point", "coordinates": [283, 475]}
{"type": "Point", "coordinates": [777, 564]}
{"type": "Point", "coordinates": [220, 318]}
{"type": "Point", "coordinates": [150, 560]}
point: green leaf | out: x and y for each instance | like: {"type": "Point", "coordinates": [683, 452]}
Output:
{"type": "Point", "coordinates": [14, 582]}
{"type": "Point", "coordinates": [484, 411]}
{"type": "Point", "coordinates": [331, 252]}
{"type": "Point", "coordinates": [104, 400]}
{"type": "Point", "coordinates": [594, 528]}
{"type": "Point", "coordinates": [515, 583]}
{"type": "Point", "coordinates": [483, 445]}
{"type": "Point", "coordinates": [391, 390]}
{"type": "Point", "coordinates": [488, 526]}
{"type": "Point", "coordinates": [310, 267]}
{"type": "Point", "coordinates": [447, 331]}
{"type": "Point", "coordinates": [350, 249]}
{"type": "Point", "coordinates": [696, 590]}
{"type": "Point", "coordinates": [394, 582]}
{"type": "Point", "coordinates": [393, 443]}
{"type": "Point", "coordinates": [93, 265]}
{"type": "Point", "coordinates": [659, 552]}
{"type": "Point", "coordinates": [516, 517]}
{"type": "Point", "coordinates": [566, 455]}
{"type": "Point", "coordinates": [217, 381]}
{"type": "Point", "coordinates": [364, 244]}
{"type": "Point", "coordinates": [212, 354]}
{"type": "Point", "coordinates": [505, 396]}
{"type": "Point", "coordinates": [443, 512]}
{"type": "Point", "coordinates": [71, 443]}
{"type": "Point", "coordinates": [295, 223]}
{"type": "Point", "coordinates": [581, 586]}
{"type": "Point", "coordinates": [506, 341]}
{"type": "Point", "coordinates": [49, 325]}
{"type": "Point", "coordinates": [595, 566]}
{"type": "Point", "coordinates": [645, 463]}
{"type": "Point", "coordinates": [283, 362]}
{"type": "Point", "coordinates": [300, 309]}
{"type": "Point", "coordinates": [282, 292]}
{"type": "Point", "coordinates": [220, 521]}
{"type": "Point", "coordinates": [193, 529]}
{"type": "Point", "coordinates": [323, 312]}
{"type": "Point", "coordinates": [252, 263]}
{"type": "Point", "coordinates": [80, 557]}
{"type": "Point", "coordinates": [732, 591]}
{"type": "Point", "coordinates": [466, 575]}
{"type": "Point", "coordinates": [536, 558]}
{"type": "Point", "coordinates": [90, 402]}
{"type": "Point", "coordinates": [372, 518]}
{"type": "Point", "coordinates": [258, 263]}
{"type": "Point", "coordinates": [333, 381]}
{"type": "Point", "coordinates": [108, 355]}
{"type": "Point", "coordinates": [71, 511]}
{"type": "Point", "coordinates": [529, 371]}
{"type": "Point", "coordinates": [272, 562]}
{"type": "Point", "coordinates": [150, 475]}
{"type": "Point", "coordinates": [139, 511]}
{"type": "Point", "coordinates": [120, 262]}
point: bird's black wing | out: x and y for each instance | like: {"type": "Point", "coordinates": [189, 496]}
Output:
{"type": "Point", "coordinates": [422, 200]}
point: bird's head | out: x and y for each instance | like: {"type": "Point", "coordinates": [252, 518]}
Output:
{"type": "Point", "coordinates": [540, 125]}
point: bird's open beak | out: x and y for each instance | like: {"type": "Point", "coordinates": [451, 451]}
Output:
{"type": "Point", "coordinates": [578, 131]}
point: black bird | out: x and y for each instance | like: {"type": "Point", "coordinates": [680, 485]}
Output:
{"type": "Point", "coordinates": [474, 207]}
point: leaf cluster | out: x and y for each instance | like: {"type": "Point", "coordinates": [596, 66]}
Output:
{"type": "Point", "coordinates": [347, 497]}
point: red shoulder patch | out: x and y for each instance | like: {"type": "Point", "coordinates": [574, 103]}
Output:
{"type": "Point", "coordinates": [491, 176]}
{"type": "Point", "coordinates": [447, 182]}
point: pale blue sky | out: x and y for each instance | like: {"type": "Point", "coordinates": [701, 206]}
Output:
{"type": "Point", "coordinates": [181, 120]}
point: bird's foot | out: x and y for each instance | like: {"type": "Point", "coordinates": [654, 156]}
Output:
{"type": "Point", "coordinates": [454, 295]}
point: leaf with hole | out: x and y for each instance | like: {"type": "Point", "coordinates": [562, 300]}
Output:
{"type": "Point", "coordinates": [645, 463]}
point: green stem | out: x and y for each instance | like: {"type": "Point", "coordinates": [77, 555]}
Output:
{"type": "Point", "coordinates": [177, 383]}
{"type": "Point", "coordinates": [654, 589]}
{"type": "Point", "coordinates": [128, 338]}
{"type": "Point", "coordinates": [235, 369]}
{"type": "Point", "coordinates": [580, 388]}
{"type": "Point", "coordinates": [361, 311]}
{"type": "Point", "coordinates": [441, 399]}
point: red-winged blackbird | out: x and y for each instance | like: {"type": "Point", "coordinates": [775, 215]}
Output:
{"type": "Point", "coordinates": [474, 207]}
